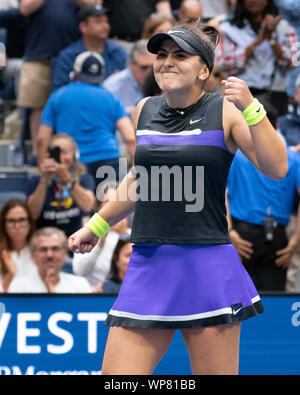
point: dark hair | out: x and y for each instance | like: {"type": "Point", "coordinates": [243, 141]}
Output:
{"type": "Point", "coordinates": [240, 13]}
{"type": "Point", "coordinates": [150, 86]}
{"type": "Point", "coordinates": [5, 242]}
{"type": "Point", "coordinates": [207, 33]}
{"type": "Point", "coordinates": [114, 271]}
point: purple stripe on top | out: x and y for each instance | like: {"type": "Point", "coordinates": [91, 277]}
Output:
{"type": "Point", "coordinates": [207, 137]}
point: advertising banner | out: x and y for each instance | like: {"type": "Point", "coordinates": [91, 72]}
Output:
{"type": "Point", "coordinates": [66, 335]}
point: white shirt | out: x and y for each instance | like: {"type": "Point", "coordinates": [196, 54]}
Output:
{"type": "Point", "coordinates": [32, 283]}
{"type": "Point", "coordinates": [23, 261]}
{"type": "Point", "coordinates": [95, 265]}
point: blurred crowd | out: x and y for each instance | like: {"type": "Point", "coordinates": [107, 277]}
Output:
{"type": "Point", "coordinates": [73, 75]}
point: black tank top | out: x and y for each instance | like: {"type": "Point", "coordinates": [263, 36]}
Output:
{"type": "Point", "coordinates": [182, 165]}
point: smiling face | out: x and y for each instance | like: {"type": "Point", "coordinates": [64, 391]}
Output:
{"type": "Point", "coordinates": [177, 70]}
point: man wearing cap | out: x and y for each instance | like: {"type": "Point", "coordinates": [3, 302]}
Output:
{"type": "Point", "coordinates": [90, 114]}
{"type": "Point", "coordinates": [94, 26]}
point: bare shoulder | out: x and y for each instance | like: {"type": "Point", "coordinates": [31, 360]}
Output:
{"type": "Point", "coordinates": [138, 110]}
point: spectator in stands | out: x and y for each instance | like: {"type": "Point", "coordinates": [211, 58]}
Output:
{"type": "Point", "coordinates": [95, 28]}
{"type": "Point", "coordinates": [259, 211]}
{"type": "Point", "coordinates": [258, 47]}
{"type": "Point", "coordinates": [51, 26]}
{"type": "Point", "coordinates": [64, 191]}
{"type": "Point", "coordinates": [212, 8]}
{"type": "Point", "coordinates": [90, 114]}
{"type": "Point", "coordinates": [119, 265]}
{"type": "Point", "coordinates": [213, 83]}
{"type": "Point", "coordinates": [157, 23]}
{"type": "Point", "coordinates": [16, 230]}
{"type": "Point", "coordinates": [127, 17]}
{"type": "Point", "coordinates": [289, 127]}
{"type": "Point", "coordinates": [227, 16]}
{"type": "Point", "coordinates": [289, 124]}
{"type": "Point", "coordinates": [290, 11]}
{"type": "Point", "coordinates": [14, 24]}
{"type": "Point", "coordinates": [49, 250]}
{"type": "Point", "coordinates": [95, 265]}
{"type": "Point", "coordinates": [190, 10]}
{"type": "Point", "coordinates": [128, 83]}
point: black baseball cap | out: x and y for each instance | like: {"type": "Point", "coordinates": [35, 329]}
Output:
{"type": "Point", "coordinates": [90, 68]}
{"type": "Point", "coordinates": [90, 10]}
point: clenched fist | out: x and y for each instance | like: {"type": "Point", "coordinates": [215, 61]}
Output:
{"type": "Point", "coordinates": [237, 92]}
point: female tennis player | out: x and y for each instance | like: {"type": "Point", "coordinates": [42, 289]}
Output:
{"type": "Point", "coordinates": [184, 272]}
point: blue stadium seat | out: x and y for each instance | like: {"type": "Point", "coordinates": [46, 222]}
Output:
{"type": "Point", "coordinates": [13, 184]}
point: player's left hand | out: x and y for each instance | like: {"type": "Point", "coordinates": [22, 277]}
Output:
{"type": "Point", "coordinates": [237, 92]}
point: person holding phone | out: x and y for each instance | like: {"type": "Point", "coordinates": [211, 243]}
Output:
{"type": "Point", "coordinates": [64, 191]}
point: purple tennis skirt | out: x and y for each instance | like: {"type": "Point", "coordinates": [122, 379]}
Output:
{"type": "Point", "coordinates": [170, 286]}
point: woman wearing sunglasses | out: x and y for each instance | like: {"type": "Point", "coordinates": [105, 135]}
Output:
{"type": "Point", "coordinates": [17, 226]}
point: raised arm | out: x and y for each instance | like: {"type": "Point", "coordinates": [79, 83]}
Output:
{"type": "Point", "coordinates": [42, 140]}
{"type": "Point", "coordinates": [259, 142]}
{"type": "Point", "coordinates": [85, 239]}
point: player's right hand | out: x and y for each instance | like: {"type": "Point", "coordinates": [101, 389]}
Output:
{"type": "Point", "coordinates": [82, 241]}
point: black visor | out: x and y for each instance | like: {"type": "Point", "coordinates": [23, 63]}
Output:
{"type": "Point", "coordinates": [188, 41]}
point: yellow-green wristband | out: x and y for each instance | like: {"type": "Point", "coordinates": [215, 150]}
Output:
{"type": "Point", "coordinates": [97, 225]}
{"type": "Point", "coordinates": [254, 113]}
